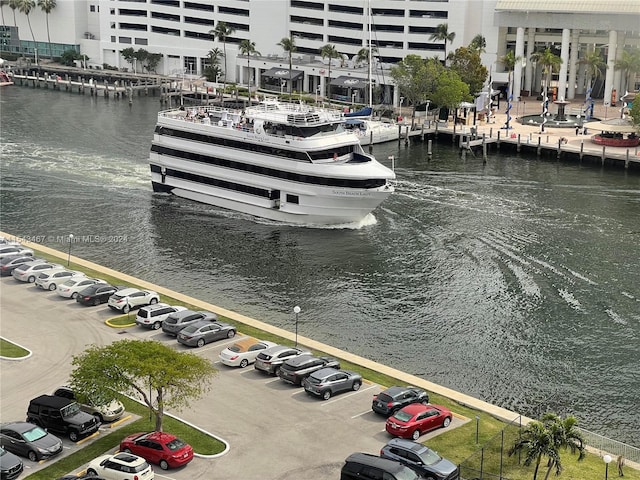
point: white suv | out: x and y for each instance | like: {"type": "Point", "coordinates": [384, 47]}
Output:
{"type": "Point", "coordinates": [153, 315]}
{"type": "Point", "coordinates": [128, 298]}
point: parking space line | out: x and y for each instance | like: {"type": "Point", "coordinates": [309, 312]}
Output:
{"type": "Point", "coordinates": [363, 413]}
{"type": "Point", "coordinates": [347, 396]}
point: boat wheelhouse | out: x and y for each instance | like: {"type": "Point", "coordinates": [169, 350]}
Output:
{"type": "Point", "coordinates": [285, 162]}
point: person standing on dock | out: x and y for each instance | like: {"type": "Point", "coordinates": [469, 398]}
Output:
{"type": "Point", "coordinates": [620, 463]}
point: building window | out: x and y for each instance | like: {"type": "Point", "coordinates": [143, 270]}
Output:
{"type": "Point", "coordinates": [142, 41]}
{"type": "Point", "coordinates": [92, 8]}
{"type": "Point", "coordinates": [124, 40]}
{"type": "Point", "coordinates": [113, 39]}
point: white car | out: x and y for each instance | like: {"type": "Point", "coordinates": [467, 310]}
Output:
{"type": "Point", "coordinates": [9, 250]}
{"type": "Point", "coordinates": [153, 315]}
{"type": "Point", "coordinates": [28, 272]}
{"type": "Point", "coordinates": [74, 285]}
{"type": "Point", "coordinates": [128, 298]}
{"type": "Point", "coordinates": [244, 352]}
{"type": "Point", "coordinates": [121, 466]}
{"type": "Point", "coordinates": [50, 279]}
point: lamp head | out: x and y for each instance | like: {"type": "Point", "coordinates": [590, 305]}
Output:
{"type": "Point", "coordinates": [607, 459]}
{"type": "Point", "coordinates": [296, 309]}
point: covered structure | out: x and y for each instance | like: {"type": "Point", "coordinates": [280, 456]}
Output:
{"type": "Point", "coordinates": [278, 79]}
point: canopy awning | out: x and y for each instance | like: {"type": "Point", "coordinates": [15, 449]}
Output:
{"type": "Point", "coordinates": [617, 125]}
{"type": "Point", "coordinates": [349, 82]}
{"type": "Point", "coordinates": [283, 74]}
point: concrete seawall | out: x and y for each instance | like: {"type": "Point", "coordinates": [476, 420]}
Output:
{"type": "Point", "coordinates": [469, 401]}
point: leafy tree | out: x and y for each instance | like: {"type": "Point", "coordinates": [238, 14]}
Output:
{"type": "Point", "coordinates": [221, 32]}
{"type": "Point", "coordinates": [2, 4]}
{"type": "Point", "coordinates": [442, 34]}
{"type": "Point", "coordinates": [629, 65]}
{"type": "Point", "coordinates": [416, 79]}
{"type": "Point", "coordinates": [248, 48]}
{"type": "Point", "coordinates": [47, 6]}
{"type": "Point", "coordinates": [467, 64]}
{"type": "Point", "coordinates": [565, 436]}
{"type": "Point", "coordinates": [450, 90]}
{"type": "Point", "coordinates": [213, 70]}
{"type": "Point", "coordinates": [26, 6]}
{"type": "Point", "coordinates": [158, 375]}
{"type": "Point", "coordinates": [68, 57]}
{"type": "Point", "coordinates": [509, 61]}
{"type": "Point", "coordinates": [595, 65]}
{"type": "Point", "coordinates": [141, 56]}
{"type": "Point", "coordinates": [634, 113]}
{"type": "Point", "coordinates": [363, 56]}
{"type": "Point", "coordinates": [153, 59]}
{"type": "Point", "coordinates": [129, 54]}
{"type": "Point", "coordinates": [330, 51]}
{"type": "Point", "coordinates": [549, 62]}
{"type": "Point", "coordinates": [14, 5]}
{"type": "Point", "coordinates": [288, 44]}
{"type": "Point", "coordinates": [478, 44]}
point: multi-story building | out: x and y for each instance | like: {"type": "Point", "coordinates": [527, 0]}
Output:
{"type": "Point", "coordinates": [181, 30]}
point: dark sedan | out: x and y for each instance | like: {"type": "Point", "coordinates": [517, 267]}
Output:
{"type": "Point", "coordinates": [96, 294]}
{"type": "Point", "coordinates": [295, 369]}
{"type": "Point", "coordinates": [9, 264]}
{"type": "Point", "coordinates": [394, 398]}
{"type": "Point", "coordinates": [10, 466]}
{"type": "Point", "coordinates": [200, 333]}
{"type": "Point", "coordinates": [29, 440]}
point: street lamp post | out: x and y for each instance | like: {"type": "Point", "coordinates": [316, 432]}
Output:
{"type": "Point", "coordinates": [296, 310]}
{"type": "Point", "coordinates": [317, 93]}
{"type": "Point", "coordinates": [69, 254]}
{"type": "Point", "coordinates": [282, 83]}
{"type": "Point", "coordinates": [607, 460]}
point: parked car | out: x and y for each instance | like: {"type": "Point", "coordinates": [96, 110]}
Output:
{"type": "Point", "coordinates": [10, 465]}
{"type": "Point", "coordinates": [200, 333]}
{"type": "Point", "coordinates": [121, 466]}
{"type": "Point", "coordinates": [128, 298]}
{"type": "Point", "coordinates": [179, 320]}
{"type": "Point", "coordinates": [420, 458]}
{"type": "Point", "coordinates": [160, 448]}
{"type": "Point", "coordinates": [416, 419]}
{"type": "Point", "coordinates": [107, 411]}
{"type": "Point", "coordinates": [29, 440]}
{"type": "Point", "coordinates": [271, 359]}
{"type": "Point", "coordinates": [10, 263]}
{"type": "Point", "coordinates": [61, 415]}
{"type": "Point", "coordinates": [96, 294]}
{"type": "Point", "coordinates": [50, 279]}
{"type": "Point", "coordinates": [364, 466]}
{"type": "Point", "coordinates": [9, 250]}
{"type": "Point", "coordinates": [244, 352]}
{"type": "Point", "coordinates": [152, 316]}
{"type": "Point", "coordinates": [394, 398]}
{"type": "Point", "coordinates": [295, 369]}
{"type": "Point", "coordinates": [28, 272]}
{"type": "Point", "coordinates": [74, 285]}
{"type": "Point", "coordinates": [326, 382]}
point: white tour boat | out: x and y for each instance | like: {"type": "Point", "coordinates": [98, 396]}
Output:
{"type": "Point", "coordinates": [286, 162]}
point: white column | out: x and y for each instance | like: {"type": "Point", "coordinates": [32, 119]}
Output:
{"type": "Point", "coordinates": [517, 69]}
{"type": "Point", "coordinates": [564, 55]}
{"type": "Point", "coordinates": [611, 58]}
{"type": "Point", "coordinates": [617, 74]}
{"type": "Point", "coordinates": [582, 72]}
{"type": "Point", "coordinates": [528, 71]}
{"type": "Point", "coordinates": [573, 64]}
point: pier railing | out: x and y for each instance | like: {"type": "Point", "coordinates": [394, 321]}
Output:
{"type": "Point", "coordinates": [609, 446]}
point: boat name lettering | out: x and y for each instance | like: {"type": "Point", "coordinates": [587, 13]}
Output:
{"type": "Point", "coordinates": [350, 193]}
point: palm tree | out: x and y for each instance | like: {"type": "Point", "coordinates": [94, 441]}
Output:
{"type": "Point", "coordinates": [25, 6]}
{"type": "Point", "coordinates": [549, 62]}
{"type": "Point", "coordinates": [221, 32]}
{"type": "Point", "coordinates": [629, 65]}
{"type": "Point", "coordinates": [363, 56]}
{"type": "Point", "coordinates": [288, 44]}
{"type": "Point", "coordinates": [509, 61]}
{"type": "Point", "coordinates": [47, 6]}
{"type": "Point", "coordinates": [566, 436]}
{"type": "Point", "coordinates": [442, 34]}
{"type": "Point", "coordinates": [595, 67]}
{"type": "Point", "coordinates": [2, 4]}
{"type": "Point", "coordinates": [536, 441]}
{"type": "Point", "coordinates": [248, 48]}
{"type": "Point", "coordinates": [330, 51]}
{"type": "Point", "coordinates": [14, 5]}
{"type": "Point", "coordinates": [478, 43]}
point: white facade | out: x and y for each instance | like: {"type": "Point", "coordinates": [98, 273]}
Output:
{"type": "Point", "coordinates": [179, 30]}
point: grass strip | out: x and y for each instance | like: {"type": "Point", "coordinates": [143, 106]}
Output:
{"type": "Point", "coordinates": [11, 350]}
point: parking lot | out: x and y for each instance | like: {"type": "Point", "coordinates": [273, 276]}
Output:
{"type": "Point", "coordinates": [274, 430]}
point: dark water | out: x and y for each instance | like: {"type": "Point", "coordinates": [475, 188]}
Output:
{"type": "Point", "coordinates": [515, 281]}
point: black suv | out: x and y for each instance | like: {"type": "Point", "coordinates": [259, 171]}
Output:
{"type": "Point", "coordinates": [295, 369]}
{"type": "Point", "coordinates": [61, 415]}
{"type": "Point", "coordinates": [363, 466]}
{"type": "Point", "coordinates": [421, 459]}
{"type": "Point", "coordinates": [395, 398]}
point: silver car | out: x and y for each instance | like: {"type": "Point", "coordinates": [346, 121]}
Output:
{"type": "Point", "coordinates": [200, 333]}
{"type": "Point", "coordinates": [28, 272]}
{"type": "Point", "coordinates": [327, 382]}
{"type": "Point", "coordinates": [179, 320]}
{"type": "Point", "coordinates": [271, 359]}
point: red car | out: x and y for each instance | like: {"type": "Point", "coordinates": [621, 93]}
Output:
{"type": "Point", "coordinates": [158, 447]}
{"type": "Point", "coordinates": [416, 419]}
